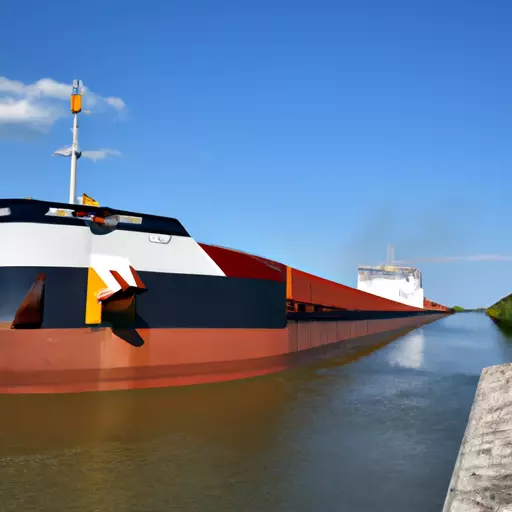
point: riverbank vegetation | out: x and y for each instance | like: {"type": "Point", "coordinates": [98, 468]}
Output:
{"type": "Point", "coordinates": [458, 309]}
{"type": "Point", "coordinates": [502, 310]}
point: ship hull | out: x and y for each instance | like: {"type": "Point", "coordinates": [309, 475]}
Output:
{"type": "Point", "coordinates": [88, 359]}
{"type": "Point", "coordinates": [135, 302]}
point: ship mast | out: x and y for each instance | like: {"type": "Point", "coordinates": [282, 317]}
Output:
{"type": "Point", "coordinates": [391, 255]}
{"type": "Point", "coordinates": [76, 107]}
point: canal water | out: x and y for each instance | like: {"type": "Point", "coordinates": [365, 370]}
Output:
{"type": "Point", "coordinates": [378, 432]}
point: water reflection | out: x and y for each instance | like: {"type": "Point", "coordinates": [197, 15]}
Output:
{"type": "Point", "coordinates": [409, 353]}
{"type": "Point", "coordinates": [504, 328]}
{"type": "Point", "coordinates": [366, 428]}
{"type": "Point", "coordinates": [133, 415]}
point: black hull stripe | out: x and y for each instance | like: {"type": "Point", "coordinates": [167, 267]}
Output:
{"type": "Point", "coordinates": [180, 300]}
{"type": "Point", "coordinates": [64, 296]}
{"type": "Point", "coordinates": [172, 300]}
{"type": "Point", "coordinates": [357, 315]}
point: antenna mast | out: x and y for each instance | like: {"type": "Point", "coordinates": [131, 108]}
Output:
{"type": "Point", "coordinates": [391, 255]}
{"type": "Point", "coordinates": [76, 108]}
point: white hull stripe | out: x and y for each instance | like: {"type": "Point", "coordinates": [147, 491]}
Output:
{"type": "Point", "coordinates": [43, 245]}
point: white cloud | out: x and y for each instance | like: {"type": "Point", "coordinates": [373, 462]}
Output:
{"type": "Point", "coordinates": [117, 103]}
{"type": "Point", "coordinates": [448, 259]}
{"type": "Point", "coordinates": [100, 154]}
{"type": "Point", "coordinates": [37, 106]}
{"type": "Point", "coordinates": [13, 111]}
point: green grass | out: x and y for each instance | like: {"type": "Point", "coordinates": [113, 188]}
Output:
{"type": "Point", "coordinates": [459, 309]}
{"type": "Point", "coordinates": [502, 310]}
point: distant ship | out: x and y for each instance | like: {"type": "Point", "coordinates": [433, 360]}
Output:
{"type": "Point", "coordinates": [401, 284]}
{"type": "Point", "coordinates": [95, 299]}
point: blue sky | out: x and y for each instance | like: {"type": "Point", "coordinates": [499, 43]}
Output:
{"type": "Point", "coordinates": [311, 132]}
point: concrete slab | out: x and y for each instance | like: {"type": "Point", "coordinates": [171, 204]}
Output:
{"type": "Point", "coordinates": [482, 477]}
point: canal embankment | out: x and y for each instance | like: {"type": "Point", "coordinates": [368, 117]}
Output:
{"type": "Point", "coordinates": [482, 477]}
{"type": "Point", "coordinates": [501, 311]}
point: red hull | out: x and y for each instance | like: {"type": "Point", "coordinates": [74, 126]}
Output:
{"type": "Point", "coordinates": [304, 288]}
{"type": "Point", "coordinates": [80, 360]}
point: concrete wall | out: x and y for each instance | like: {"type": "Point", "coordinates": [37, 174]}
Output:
{"type": "Point", "coordinates": [482, 478]}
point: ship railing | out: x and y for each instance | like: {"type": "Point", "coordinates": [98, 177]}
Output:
{"type": "Point", "coordinates": [98, 217]}
{"type": "Point", "coordinates": [45, 212]}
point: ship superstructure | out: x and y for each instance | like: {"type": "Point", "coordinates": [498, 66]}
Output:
{"type": "Point", "coordinates": [401, 284]}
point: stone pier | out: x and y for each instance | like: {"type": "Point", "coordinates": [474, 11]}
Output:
{"type": "Point", "coordinates": [482, 477]}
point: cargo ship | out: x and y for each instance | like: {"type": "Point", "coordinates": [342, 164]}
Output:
{"type": "Point", "coordinates": [96, 299]}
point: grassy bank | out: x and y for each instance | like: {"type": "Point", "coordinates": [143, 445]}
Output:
{"type": "Point", "coordinates": [458, 309]}
{"type": "Point", "coordinates": [502, 310]}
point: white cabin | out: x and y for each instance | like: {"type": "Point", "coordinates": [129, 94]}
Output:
{"type": "Point", "coordinates": [401, 284]}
